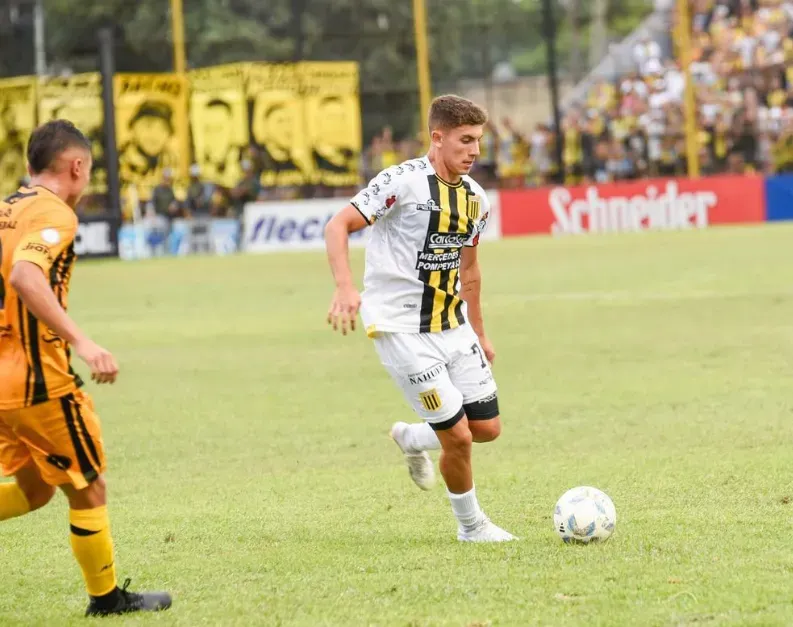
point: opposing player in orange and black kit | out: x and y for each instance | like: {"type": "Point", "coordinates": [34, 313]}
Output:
{"type": "Point", "coordinates": [49, 433]}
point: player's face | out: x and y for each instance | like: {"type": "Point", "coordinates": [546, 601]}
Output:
{"type": "Point", "coordinates": [459, 147]}
{"type": "Point", "coordinates": [151, 134]}
{"type": "Point", "coordinates": [217, 132]}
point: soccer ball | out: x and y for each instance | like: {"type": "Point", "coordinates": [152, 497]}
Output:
{"type": "Point", "coordinates": [584, 514]}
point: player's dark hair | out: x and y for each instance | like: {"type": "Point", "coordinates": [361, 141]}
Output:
{"type": "Point", "coordinates": [52, 139]}
{"type": "Point", "coordinates": [447, 112]}
{"type": "Point", "coordinates": [217, 102]}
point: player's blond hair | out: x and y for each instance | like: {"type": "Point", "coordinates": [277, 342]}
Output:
{"type": "Point", "coordinates": [450, 111]}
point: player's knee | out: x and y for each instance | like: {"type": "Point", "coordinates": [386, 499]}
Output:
{"type": "Point", "coordinates": [458, 441]}
{"type": "Point", "coordinates": [95, 495]}
{"type": "Point", "coordinates": [39, 495]}
{"type": "Point", "coordinates": [485, 430]}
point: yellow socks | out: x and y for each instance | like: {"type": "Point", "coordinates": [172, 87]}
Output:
{"type": "Point", "coordinates": [93, 548]}
{"type": "Point", "coordinates": [13, 501]}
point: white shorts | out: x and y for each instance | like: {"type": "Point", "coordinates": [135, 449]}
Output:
{"type": "Point", "coordinates": [442, 375]}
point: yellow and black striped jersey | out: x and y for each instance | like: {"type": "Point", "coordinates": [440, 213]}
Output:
{"type": "Point", "coordinates": [38, 227]}
{"type": "Point", "coordinates": [420, 224]}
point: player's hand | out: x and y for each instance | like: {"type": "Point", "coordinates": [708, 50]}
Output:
{"type": "Point", "coordinates": [344, 308]}
{"type": "Point", "coordinates": [487, 346]}
{"type": "Point", "coordinates": [104, 368]}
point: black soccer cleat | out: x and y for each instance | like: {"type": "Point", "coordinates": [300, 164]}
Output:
{"type": "Point", "coordinates": [120, 601]}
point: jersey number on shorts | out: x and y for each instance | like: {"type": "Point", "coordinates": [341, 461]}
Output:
{"type": "Point", "coordinates": [478, 351]}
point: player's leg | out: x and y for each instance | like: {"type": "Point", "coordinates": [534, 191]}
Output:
{"type": "Point", "coordinates": [65, 440]}
{"type": "Point", "coordinates": [471, 374]}
{"type": "Point", "coordinates": [28, 491]}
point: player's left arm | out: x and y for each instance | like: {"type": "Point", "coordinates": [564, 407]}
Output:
{"type": "Point", "coordinates": [471, 293]}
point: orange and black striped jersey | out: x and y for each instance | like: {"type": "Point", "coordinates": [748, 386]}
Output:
{"type": "Point", "coordinates": [38, 227]}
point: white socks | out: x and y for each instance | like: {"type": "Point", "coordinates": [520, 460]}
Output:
{"type": "Point", "coordinates": [466, 509]}
{"type": "Point", "coordinates": [420, 437]}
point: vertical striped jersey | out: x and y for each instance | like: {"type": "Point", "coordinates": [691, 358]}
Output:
{"type": "Point", "coordinates": [420, 224]}
{"type": "Point", "coordinates": [38, 227]}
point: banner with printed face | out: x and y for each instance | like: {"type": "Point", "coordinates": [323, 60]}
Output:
{"type": "Point", "coordinates": [17, 121]}
{"type": "Point", "coordinates": [78, 99]}
{"type": "Point", "coordinates": [277, 124]}
{"type": "Point", "coordinates": [219, 122]}
{"type": "Point", "coordinates": [332, 109]}
{"type": "Point", "coordinates": [151, 129]}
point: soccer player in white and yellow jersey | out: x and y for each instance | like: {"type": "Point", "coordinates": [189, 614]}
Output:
{"type": "Point", "coordinates": [421, 302]}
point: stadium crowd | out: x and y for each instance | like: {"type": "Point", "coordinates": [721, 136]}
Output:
{"type": "Point", "coordinates": [628, 128]}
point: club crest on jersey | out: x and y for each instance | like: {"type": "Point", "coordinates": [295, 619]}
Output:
{"type": "Point", "coordinates": [430, 205]}
{"type": "Point", "coordinates": [431, 400]}
{"type": "Point", "coordinates": [474, 207]}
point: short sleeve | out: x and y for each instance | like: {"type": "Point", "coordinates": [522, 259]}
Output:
{"type": "Point", "coordinates": [48, 232]}
{"type": "Point", "coordinates": [379, 197]}
{"type": "Point", "coordinates": [480, 225]}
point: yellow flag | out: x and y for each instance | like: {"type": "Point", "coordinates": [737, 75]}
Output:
{"type": "Point", "coordinates": [333, 121]}
{"type": "Point", "coordinates": [78, 99]}
{"type": "Point", "coordinates": [277, 124]}
{"type": "Point", "coordinates": [219, 122]}
{"type": "Point", "coordinates": [17, 121]}
{"type": "Point", "coordinates": [151, 129]}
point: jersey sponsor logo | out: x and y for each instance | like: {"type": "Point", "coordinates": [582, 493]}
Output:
{"type": "Point", "coordinates": [399, 170]}
{"type": "Point", "coordinates": [434, 262]}
{"type": "Point", "coordinates": [445, 240]}
{"type": "Point", "coordinates": [8, 224]}
{"type": "Point", "coordinates": [422, 165]}
{"type": "Point", "coordinates": [430, 205]}
{"type": "Point", "coordinates": [51, 236]}
{"type": "Point", "coordinates": [386, 178]}
{"type": "Point", "coordinates": [431, 400]}
{"type": "Point", "coordinates": [425, 376]}
{"type": "Point", "coordinates": [39, 248]}
{"type": "Point", "coordinates": [365, 198]}
{"type": "Point", "coordinates": [5, 213]}
{"type": "Point", "coordinates": [410, 166]}
{"type": "Point", "coordinates": [375, 189]}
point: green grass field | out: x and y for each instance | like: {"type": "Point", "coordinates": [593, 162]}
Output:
{"type": "Point", "coordinates": [252, 476]}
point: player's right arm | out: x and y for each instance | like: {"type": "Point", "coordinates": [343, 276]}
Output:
{"type": "Point", "coordinates": [369, 205]}
{"type": "Point", "coordinates": [346, 299]}
{"type": "Point", "coordinates": [49, 235]}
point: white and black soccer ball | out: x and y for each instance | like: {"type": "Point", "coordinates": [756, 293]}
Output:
{"type": "Point", "coordinates": [585, 514]}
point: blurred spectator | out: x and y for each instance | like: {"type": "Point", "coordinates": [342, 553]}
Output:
{"type": "Point", "coordinates": [163, 198]}
{"type": "Point", "coordinates": [198, 193]}
{"type": "Point", "coordinates": [248, 189]}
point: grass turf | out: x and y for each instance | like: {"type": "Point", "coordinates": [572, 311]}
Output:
{"type": "Point", "coordinates": [251, 473]}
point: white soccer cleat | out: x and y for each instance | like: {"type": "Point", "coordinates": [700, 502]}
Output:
{"type": "Point", "coordinates": [485, 531]}
{"type": "Point", "coordinates": [419, 464]}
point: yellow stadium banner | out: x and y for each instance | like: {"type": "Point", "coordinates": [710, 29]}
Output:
{"type": "Point", "coordinates": [219, 122]}
{"type": "Point", "coordinates": [277, 124]}
{"type": "Point", "coordinates": [332, 109]}
{"type": "Point", "coordinates": [151, 129]}
{"type": "Point", "coordinates": [78, 99]}
{"type": "Point", "coordinates": [17, 121]}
